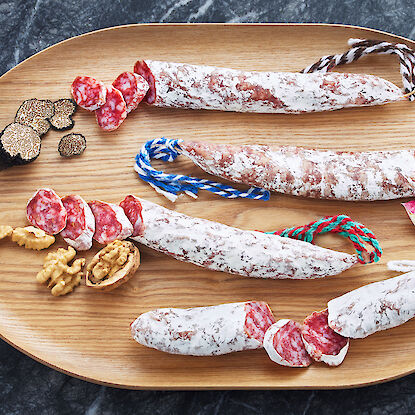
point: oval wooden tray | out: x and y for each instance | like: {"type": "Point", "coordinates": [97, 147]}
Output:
{"type": "Point", "coordinates": [86, 333]}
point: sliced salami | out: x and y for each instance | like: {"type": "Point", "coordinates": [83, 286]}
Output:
{"type": "Point", "coordinates": [285, 346]}
{"type": "Point", "coordinates": [133, 88]}
{"type": "Point", "coordinates": [132, 209]}
{"type": "Point", "coordinates": [110, 222]}
{"type": "Point", "coordinates": [46, 211]}
{"type": "Point", "coordinates": [112, 114]}
{"type": "Point", "coordinates": [80, 225]}
{"type": "Point", "coordinates": [204, 331]}
{"type": "Point", "coordinates": [322, 343]}
{"type": "Point", "coordinates": [88, 93]}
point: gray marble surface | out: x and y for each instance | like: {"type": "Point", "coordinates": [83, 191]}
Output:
{"type": "Point", "coordinates": [27, 387]}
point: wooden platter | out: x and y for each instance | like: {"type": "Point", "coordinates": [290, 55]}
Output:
{"type": "Point", "coordinates": [86, 333]}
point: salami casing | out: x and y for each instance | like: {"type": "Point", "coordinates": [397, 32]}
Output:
{"type": "Point", "coordinates": [80, 225]}
{"type": "Point", "coordinates": [326, 174]}
{"type": "Point", "coordinates": [181, 85]}
{"type": "Point", "coordinates": [373, 307]}
{"type": "Point", "coordinates": [132, 209]}
{"type": "Point", "coordinates": [204, 331]}
{"type": "Point", "coordinates": [133, 88]}
{"type": "Point", "coordinates": [88, 93]}
{"type": "Point", "coordinates": [223, 248]}
{"type": "Point", "coordinates": [112, 114]}
{"type": "Point", "coordinates": [285, 346]}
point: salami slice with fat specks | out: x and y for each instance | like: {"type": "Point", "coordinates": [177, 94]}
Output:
{"type": "Point", "coordinates": [133, 88]}
{"type": "Point", "coordinates": [80, 225]}
{"type": "Point", "coordinates": [110, 222]}
{"type": "Point", "coordinates": [46, 211]}
{"type": "Point", "coordinates": [132, 209]}
{"type": "Point", "coordinates": [88, 93]}
{"type": "Point", "coordinates": [322, 343]}
{"type": "Point", "coordinates": [285, 346]}
{"type": "Point", "coordinates": [181, 85]}
{"type": "Point", "coordinates": [204, 331]}
{"type": "Point", "coordinates": [223, 248]}
{"type": "Point", "coordinates": [112, 114]}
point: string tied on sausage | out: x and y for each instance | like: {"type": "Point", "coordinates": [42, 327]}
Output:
{"type": "Point", "coordinates": [170, 185]}
{"type": "Point", "coordinates": [356, 232]}
{"type": "Point", "coordinates": [363, 47]}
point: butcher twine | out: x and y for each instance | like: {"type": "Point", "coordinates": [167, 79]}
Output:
{"type": "Point", "coordinates": [364, 47]}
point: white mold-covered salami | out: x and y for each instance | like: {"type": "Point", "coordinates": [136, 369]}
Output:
{"type": "Point", "coordinates": [181, 85]}
{"type": "Point", "coordinates": [326, 174]}
{"type": "Point", "coordinates": [373, 307]}
{"type": "Point", "coordinates": [204, 331]}
{"type": "Point", "coordinates": [223, 248]}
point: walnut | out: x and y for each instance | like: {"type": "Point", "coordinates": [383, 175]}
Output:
{"type": "Point", "coordinates": [5, 231]}
{"type": "Point", "coordinates": [32, 238]}
{"type": "Point", "coordinates": [113, 265]}
{"type": "Point", "coordinates": [62, 277]}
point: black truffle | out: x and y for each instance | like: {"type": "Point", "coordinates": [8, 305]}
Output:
{"type": "Point", "coordinates": [35, 113]}
{"type": "Point", "coordinates": [62, 118]}
{"type": "Point", "coordinates": [72, 145]}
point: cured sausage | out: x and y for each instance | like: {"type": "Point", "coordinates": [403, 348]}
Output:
{"type": "Point", "coordinates": [112, 114]}
{"type": "Point", "coordinates": [80, 225]}
{"type": "Point", "coordinates": [223, 248]}
{"type": "Point", "coordinates": [181, 85]}
{"type": "Point", "coordinates": [204, 331]}
{"type": "Point", "coordinates": [46, 211]}
{"type": "Point", "coordinates": [373, 307]}
{"type": "Point", "coordinates": [284, 344]}
{"type": "Point", "coordinates": [132, 209]}
{"type": "Point", "coordinates": [321, 342]}
{"type": "Point", "coordinates": [325, 174]}
{"type": "Point", "coordinates": [88, 93]}
{"type": "Point", "coordinates": [110, 222]}
{"type": "Point", "coordinates": [133, 88]}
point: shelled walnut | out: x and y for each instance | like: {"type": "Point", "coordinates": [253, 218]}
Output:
{"type": "Point", "coordinates": [5, 231]}
{"type": "Point", "coordinates": [32, 238]}
{"type": "Point", "coordinates": [113, 265]}
{"type": "Point", "coordinates": [63, 278]}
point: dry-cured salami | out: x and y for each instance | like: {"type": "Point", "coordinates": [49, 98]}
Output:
{"type": "Point", "coordinates": [322, 343]}
{"type": "Point", "coordinates": [80, 225]}
{"type": "Point", "coordinates": [373, 307]}
{"type": "Point", "coordinates": [326, 174]}
{"type": "Point", "coordinates": [46, 211]}
{"type": "Point", "coordinates": [284, 344]}
{"type": "Point", "coordinates": [181, 85]}
{"type": "Point", "coordinates": [133, 88]}
{"type": "Point", "coordinates": [112, 114]}
{"type": "Point", "coordinates": [88, 93]}
{"type": "Point", "coordinates": [132, 209]}
{"type": "Point", "coordinates": [204, 331]}
{"type": "Point", "coordinates": [223, 248]}
{"type": "Point", "coordinates": [110, 222]}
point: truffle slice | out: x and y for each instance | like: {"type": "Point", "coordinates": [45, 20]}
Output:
{"type": "Point", "coordinates": [72, 145]}
{"type": "Point", "coordinates": [62, 118]}
{"type": "Point", "coordinates": [35, 113]}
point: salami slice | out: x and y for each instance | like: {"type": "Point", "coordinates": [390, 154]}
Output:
{"type": "Point", "coordinates": [112, 114]}
{"type": "Point", "coordinates": [133, 88]}
{"type": "Point", "coordinates": [132, 209]}
{"type": "Point", "coordinates": [181, 85]}
{"type": "Point", "coordinates": [204, 331]}
{"type": "Point", "coordinates": [285, 346]}
{"type": "Point", "coordinates": [46, 211]}
{"type": "Point", "coordinates": [110, 222]}
{"type": "Point", "coordinates": [373, 307]}
{"type": "Point", "coordinates": [88, 93]}
{"type": "Point", "coordinates": [80, 226]}
{"type": "Point", "coordinates": [322, 343]}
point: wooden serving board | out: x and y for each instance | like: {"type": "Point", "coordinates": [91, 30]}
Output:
{"type": "Point", "coordinates": [86, 333]}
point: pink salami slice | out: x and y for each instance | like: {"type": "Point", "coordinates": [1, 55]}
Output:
{"type": "Point", "coordinates": [141, 68]}
{"type": "Point", "coordinates": [110, 222]}
{"type": "Point", "coordinates": [133, 88]}
{"type": "Point", "coordinates": [80, 225]}
{"type": "Point", "coordinates": [132, 209]}
{"type": "Point", "coordinates": [322, 343]}
{"type": "Point", "coordinates": [258, 319]}
{"type": "Point", "coordinates": [285, 346]}
{"type": "Point", "coordinates": [88, 93]}
{"type": "Point", "coordinates": [46, 211]}
{"type": "Point", "coordinates": [112, 114]}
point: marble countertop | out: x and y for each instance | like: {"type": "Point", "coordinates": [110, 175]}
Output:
{"type": "Point", "coordinates": [28, 387]}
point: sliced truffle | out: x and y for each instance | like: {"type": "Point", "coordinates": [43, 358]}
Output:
{"type": "Point", "coordinates": [35, 113]}
{"type": "Point", "coordinates": [62, 118]}
{"type": "Point", "coordinates": [19, 144]}
{"type": "Point", "coordinates": [72, 145]}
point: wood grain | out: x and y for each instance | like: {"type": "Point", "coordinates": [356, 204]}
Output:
{"type": "Point", "coordinates": [86, 333]}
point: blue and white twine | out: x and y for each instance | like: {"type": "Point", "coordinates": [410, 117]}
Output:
{"type": "Point", "coordinates": [170, 185]}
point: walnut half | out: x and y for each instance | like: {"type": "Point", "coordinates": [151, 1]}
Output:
{"type": "Point", "coordinates": [5, 231]}
{"type": "Point", "coordinates": [113, 265]}
{"type": "Point", "coordinates": [32, 238]}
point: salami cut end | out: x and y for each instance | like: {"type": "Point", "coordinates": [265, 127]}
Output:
{"type": "Point", "coordinates": [141, 68]}
{"type": "Point", "coordinates": [132, 209]}
{"type": "Point", "coordinates": [258, 319]}
{"type": "Point", "coordinates": [88, 93]}
{"type": "Point", "coordinates": [112, 114]}
{"type": "Point", "coordinates": [133, 88]}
